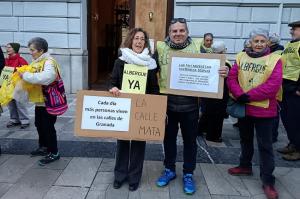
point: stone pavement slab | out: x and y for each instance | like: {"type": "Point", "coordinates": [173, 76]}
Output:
{"type": "Point", "coordinates": [12, 169]}
{"type": "Point", "coordinates": [4, 187]}
{"type": "Point", "coordinates": [34, 184]}
{"type": "Point", "coordinates": [58, 192]}
{"type": "Point", "coordinates": [216, 182]}
{"type": "Point", "coordinates": [79, 172]}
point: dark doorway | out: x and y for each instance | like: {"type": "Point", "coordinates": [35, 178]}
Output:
{"type": "Point", "coordinates": [108, 22]}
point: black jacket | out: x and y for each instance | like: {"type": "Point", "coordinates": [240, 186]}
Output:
{"type": "Point", "coordinates": [2, 60]}
{"type": "Point", "coordinates": [117, 77]}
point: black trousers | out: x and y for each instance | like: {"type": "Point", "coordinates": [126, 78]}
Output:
{"type": "Point", "coordinates": [44, 123]}
{"type": "Point", "coordinates": [189, 128]}
{"type": "Point", "coordinates": [129, 161]}
{"type": "Point", "coordinates": [264, 131]}
{"type": "Point", "coordinates": [212, 124]}
{"type": "Point", "coordinates": [290, 117]}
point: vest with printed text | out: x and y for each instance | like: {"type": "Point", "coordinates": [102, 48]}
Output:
{"type": "Point", "coordinates": [291, 61]}
{"type": "Point", "coordinates": [254, 72]}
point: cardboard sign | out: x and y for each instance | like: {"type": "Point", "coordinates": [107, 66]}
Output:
{"type": "Point", "coordinates": [128, 117]}
{"type": "Point", "coordinates": [134, 79]}
{"type": "Point", "coordinates": [195, 75]}
{"type": "Point", "coordinates": [6, 73]}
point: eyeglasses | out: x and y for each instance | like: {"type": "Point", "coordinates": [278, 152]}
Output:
{"type": "Point", "coordinates": [180, 20]}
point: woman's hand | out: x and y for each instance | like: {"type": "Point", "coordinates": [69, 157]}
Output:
{"type": "Point", "coordinates": [115, 91]}
{"type": "Point", "coordinates": [223, 71]}
{"type": "Point", "coordinates": [298, 93]}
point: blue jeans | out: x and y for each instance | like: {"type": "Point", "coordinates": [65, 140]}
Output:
{"type": "Point", "coordinates": [189, 128]}
{"type": "Point", "coordinates": [263, 127]}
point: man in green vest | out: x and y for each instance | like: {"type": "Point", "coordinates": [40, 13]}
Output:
{"type": "Point", "coordinates": [290, 106]}
{"type": "Point", "coordinates": [183, 110]}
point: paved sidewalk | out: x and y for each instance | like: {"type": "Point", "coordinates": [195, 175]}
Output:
{"type": "Point", "coordinates": [91, 178]}
{"type": "Point", "coordinates": [86, 167]}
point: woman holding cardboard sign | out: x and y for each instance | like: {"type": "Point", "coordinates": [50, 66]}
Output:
{"type": "Point", "coordinates": [134, 72]}
{"type": "Point", "coordinates": [255, 80]}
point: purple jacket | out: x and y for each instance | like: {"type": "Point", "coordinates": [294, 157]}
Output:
{"type": "Point", "coordinates": [267, 90]}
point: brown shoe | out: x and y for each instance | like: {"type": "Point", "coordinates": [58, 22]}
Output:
{"type": "Point", "coordinates": [290, 148]}
{"type": "Point", "coordinates": [292, 156]}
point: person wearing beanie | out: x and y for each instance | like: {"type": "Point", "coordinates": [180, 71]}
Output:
{"type": "Point", "coordinates": [17, 110]}
{"type": "Point", "coordinates": [290, 106]}
{"type": "Point", "coordinates": [212, 117]}
{"type": "Point", "coordinates": [254, 80]}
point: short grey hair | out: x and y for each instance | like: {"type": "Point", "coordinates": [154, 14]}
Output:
{"type": "Point", "coordinates": [39, 44]}
{"type": "Point", "coordinates": [260, 32]}
{"type": "Point", "coordinates": [218, 47]}
{"type": "Point", "coordinates": [186, 27]}
{"type": "Point", "coordinates": [274, 38]}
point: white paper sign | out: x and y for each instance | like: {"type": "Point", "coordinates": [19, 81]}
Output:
{"type": "Point", "coordinates": [195, 74]}
{"type": "Point", "coordinates": [105, 113]}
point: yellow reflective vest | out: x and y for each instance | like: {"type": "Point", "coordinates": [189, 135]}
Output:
{"type": "Point", "coordinates": [291, 61]}
{"type": "Point", "coordinates": [255, 71]}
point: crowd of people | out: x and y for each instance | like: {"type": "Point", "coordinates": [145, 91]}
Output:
{"type": "Point", "coordinates": [264, 79]}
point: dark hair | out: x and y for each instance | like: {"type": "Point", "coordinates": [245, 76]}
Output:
{"type": "Point", "coordinates": [180, 20]}
{"type": "Point", "coordinates": [39, 43]}
{"type": "Point", "coordinates": [208, 34]}
{"type": "Point", "coordinates": [129, 38]}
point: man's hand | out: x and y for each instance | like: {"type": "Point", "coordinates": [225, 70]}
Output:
{"type": "Point", "coordinates": [223, 71]}
{"type": "Point", "coordinates": [298, 93]}
{"type": "Point", "coordinates": [115, 91]}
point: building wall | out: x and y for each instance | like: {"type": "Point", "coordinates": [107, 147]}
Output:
{"type": "Point", "coordinates": [61, 22]}
{"type": "Point", "coordinates": [232, 20]}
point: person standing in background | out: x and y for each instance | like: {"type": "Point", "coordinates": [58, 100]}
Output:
{"type": "Point", "coordinates": [276, 48]}
{"type": "Point", "coordinates": [207, 42]}
{"type": "Point", "coordinates": [212, 117]}
{"type": "Point", "coordinates": [17, 110]}
{"type": "Point", "coordinates": [290, 106]}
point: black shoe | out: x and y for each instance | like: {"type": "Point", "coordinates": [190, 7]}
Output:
{"type": "Point", "coordinates": [41, 151]}
{"type": "Point", "coordinates": [218, 140]}
{"type": "Point", "coordinates": [133, 187]}
{"type": "Point", "coordinates": [236, 125]}
{"type": "Point", "coordinates": [24, 126]}
{"type": "Point", "coordinates": [49, 158]}
{"type": "Point", "coordinates": [117, 184]}
{"type": "Point", "coordinates": [11, 124]}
